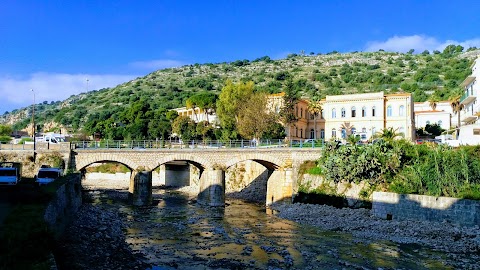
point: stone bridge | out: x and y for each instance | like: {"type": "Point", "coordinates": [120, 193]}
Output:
{"type": "Point", "coordinates": [282, 165]}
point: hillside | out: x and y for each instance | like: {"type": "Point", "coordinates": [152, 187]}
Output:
{"type": "Point", "coordinates": [424, 74]}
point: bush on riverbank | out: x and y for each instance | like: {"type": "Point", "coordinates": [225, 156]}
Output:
{"type": "Point", "coordinates": [402, 167]}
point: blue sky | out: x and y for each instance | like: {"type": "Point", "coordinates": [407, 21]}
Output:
{"type": "Point", "coordinates": [54, 47]}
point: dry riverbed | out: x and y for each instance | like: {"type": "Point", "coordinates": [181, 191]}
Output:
{"type": "Point", "coordinates": [96, 239]}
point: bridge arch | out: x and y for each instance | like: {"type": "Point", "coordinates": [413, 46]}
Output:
{"type": "Point", "coordinates": [198, 162]}
{"type": "Point", "coordinates": [104, 157]}
{"type": "Point", "coordinates": [270, 162]}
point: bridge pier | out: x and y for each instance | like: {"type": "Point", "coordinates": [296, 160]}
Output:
{"type": "Point", "coordinates": [280, 186]}
{"type": "Point", "coordinates": [212, 188]}
{"type": "Point", "coordinates": [140, 189]}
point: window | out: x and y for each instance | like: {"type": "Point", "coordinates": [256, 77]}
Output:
{"type": "Point", "coordinates": [353, 130]}
{"type": "Point", "coordinates": [322, 133]}
{"type": "Point", "coordinates": [343, 113]}
{"type": "Point", "coordinates": [374, 130]}
{"type": "Point", "coordinates": [354, 112]}
{"type": "Point", "coordinates": [296, 111]}
{"type": "Point", "coordinates": [440, 123]}
{"type": "Point", "coordinates": [321, 114]}
{"type": "Point", "coordinates": [373, 111]}
{"type": "Point", "coordinates": [344, 133]}
{"type": "Point", "coordinates": [334, 113]}
{"type": "Point", "coordinates": [296, 132]}
{"type": "Point", "coordinates": [301, 133]}
{"type": "Point", "coordinates": [428, 122]}
{"type": "Point", "coordinates": [312, 134]}
{"type": "Point", "coordinates": [364, 129]}
{"type": "Point", "coordinates": [334, 133]}
{"type": "Point", "coordinates": [389, 111]}
{"type": "Point", "coordinates": [301, 113]}
{"type": "Point", "coordinates": [401, 111]}
{"type": "Point", "coordinates": [364, 111]}
{"type": "Point", "coordinates": [277, 108]}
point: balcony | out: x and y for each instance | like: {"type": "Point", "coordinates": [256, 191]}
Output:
{"type": "Point", "coordinates": [468, 118]}
{"type": "Point", "coordinates": [467, 98]}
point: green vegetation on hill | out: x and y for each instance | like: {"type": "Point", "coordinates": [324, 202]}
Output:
{"type": "Point", "coordinates": [138, 109]}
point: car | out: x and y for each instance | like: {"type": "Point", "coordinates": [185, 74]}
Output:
{"type": "Point", "coordinates": [47, 175]}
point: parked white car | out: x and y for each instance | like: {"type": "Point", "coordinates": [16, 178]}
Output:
{"type": "Point", "coordinates": [47, 175]}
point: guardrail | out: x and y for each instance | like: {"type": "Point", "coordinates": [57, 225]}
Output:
{"type": "Point", "coordinates": [155, 144]}
{"type": "Point", "coordinates": [194, 144]}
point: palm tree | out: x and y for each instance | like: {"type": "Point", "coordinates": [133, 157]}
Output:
{"type": "Point", "coordinates": [388, 134]}
{"type": "Point", "coordinates": [315, 108]}
{"type": "Point", "coordinates": [457, 107]}
{"type": "Point", "coordinates": [433, 101]}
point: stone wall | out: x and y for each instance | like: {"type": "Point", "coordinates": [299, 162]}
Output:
{"type": "Point", "coordinates": [350, 191]}
{"type": "Point", "coordinates": [389, 205]}
{"type": "Point", "coordinates": [247, 180]}
{"type": "Point", "coordinates": [64, 205]}
{"type": "Point", "coordinates": [29, 167]}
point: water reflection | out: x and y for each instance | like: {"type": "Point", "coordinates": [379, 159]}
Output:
{"type": "Point", "coordinates": [176, 233]}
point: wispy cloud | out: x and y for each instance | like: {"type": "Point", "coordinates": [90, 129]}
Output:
{"type": "Point", "coordinates": [417, 42]}
{"type": "Point", "coordinates": [157, 64]}
{"type": "Point", "coordinates": [16, 92]}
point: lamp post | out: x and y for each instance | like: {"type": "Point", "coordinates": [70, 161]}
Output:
{"type": "Point", "coordinates": [33, 126]}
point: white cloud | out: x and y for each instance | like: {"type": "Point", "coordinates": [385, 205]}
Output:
{"type": "Point", "coordinates": [16, 92]}
{"type": "Point", "coordinates": [157, 64]}
{"type": "Point", "coordinates": [417, 42]}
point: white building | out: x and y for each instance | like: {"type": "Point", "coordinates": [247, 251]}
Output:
{"type": "Point", "coordinates": [198, 115]}
{"type": "Point", "coordinates": [471, 108]}
{"type": "Point", "coordinates": [369, 113]}
{"type": "Point", "coordinates": [442, 115]}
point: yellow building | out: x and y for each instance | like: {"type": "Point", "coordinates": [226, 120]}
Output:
{"type": "Point", "coordinates": [368, 113]}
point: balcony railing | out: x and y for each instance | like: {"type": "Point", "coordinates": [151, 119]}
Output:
{"type": "Point", "coordinates": [467, 97]}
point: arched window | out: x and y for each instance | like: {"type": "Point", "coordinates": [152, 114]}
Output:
{"type": "Point", "coordinates": [296, 132]}
{"type": "Point", "coordinates": [428, 122]}
{"type": "Point", "coordinates": [322, 133]}
{"type": "Point", "coordinates": [354, 112]}
{"type": "Point", "coordinates": [344, 133]}
{"type": "Point", "coordinates": [312, 134]}
{"type": "Point", "coordinates": [334, 133]}
{"type": "Point", "coordinates": [374, 130]}
{"type": "Point", "coordinates": [389, 111]}
{"type": "Point", "coordinates": [301, 133]}
{"type": "Point", "coordinates": [353, 130]}
{"type": "Point", "coordinates": [343, 113]}
{"type": "Point", "coordinates": [440, 123]}
{"type": "Point", "coordinates": [301, 112]}
{"type": "Point", "coordinates": [334, 113]}
{"type": "Point", "coordinates": [296, 111]}
{"type": "Point", "coordinates": [321, 114]}
{"type": "Point", "coordinates": [364, 111]}
{"type": "Point", "coordinates": [373, 111]}
{"type": "Point", "coordinates": [364, 129]}
{"type": "Point", "coordinates": [277, 108]}
{"type": "Point", "coordinates": [401, 110]}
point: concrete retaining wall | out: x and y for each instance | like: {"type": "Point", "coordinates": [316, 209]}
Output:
{"type": "Point", "coordinates": [64, 205]}
{"type": "Point", "coordinates": [389, 205]}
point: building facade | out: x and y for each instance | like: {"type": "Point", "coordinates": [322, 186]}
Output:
{"type": "Point", "coordinates": [368, 113]}
{"type": "Point", "coordinates": [442, 115]}
{"type": "Point", "coordinates": [471, 108]}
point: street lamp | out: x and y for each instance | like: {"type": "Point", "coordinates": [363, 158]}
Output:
{"type": "Point", "coordinates": [33, 125]}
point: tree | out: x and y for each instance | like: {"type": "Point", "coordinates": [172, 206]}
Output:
{"type": "Point", "coordinates": [388, 134]}
{"type": "Point", "coordinates": [433, 101]}
{"type": "Point", "coordinates": [314, 108]}
{"type": "Point", "coordinates": [229, 103]}
{"type": "Point", "coordinates": [290, 100]}
{"type": "Point", "coordinates": [5, 130]}
{"type": "Point", "coordinates": [184, 127]}
{"type": "Point", "coordinates": [254, 119]}
{"type": "Point", "coordinates": [457, 107]}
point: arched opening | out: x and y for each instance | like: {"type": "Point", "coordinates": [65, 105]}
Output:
{"type": "Point", "coordinates": [178, 173]}
{"type": "Point", "coordinates": [106, 174]}
{"type": "Point", "coordinates": [250, 180]}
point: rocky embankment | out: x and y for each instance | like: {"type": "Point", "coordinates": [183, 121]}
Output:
{"type": "Point", "coordinates": [363, 225]}
{"type": "Point", "coordinates": [95, 241]}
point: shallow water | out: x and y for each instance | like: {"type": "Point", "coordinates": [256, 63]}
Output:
{"type": "Point", "coordinates": [176, 233]}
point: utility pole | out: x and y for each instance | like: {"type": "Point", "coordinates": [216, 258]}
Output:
{"type": "Point", "coordinates": [33, 126]}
